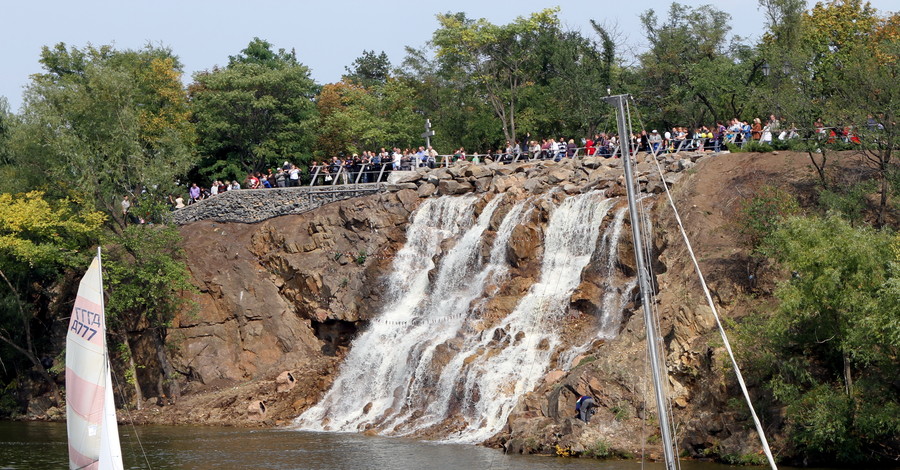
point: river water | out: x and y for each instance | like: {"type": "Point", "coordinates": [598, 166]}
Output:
{"type": "Point", "coordinates": [39, 446]}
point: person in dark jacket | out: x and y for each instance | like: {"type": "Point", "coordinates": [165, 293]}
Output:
{"type": "Point", "coordinates": [585, 408]}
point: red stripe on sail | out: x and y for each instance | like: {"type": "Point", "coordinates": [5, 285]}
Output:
{"type": "Point", "coordinates": [82, 461]}
{"type": "Point", "coordinates": [84, 397]}
{"type": "Point", "coordinates": [87, 321]}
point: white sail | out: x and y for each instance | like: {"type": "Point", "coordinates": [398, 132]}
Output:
{"type": "Point", "coordinates": [90, 410]}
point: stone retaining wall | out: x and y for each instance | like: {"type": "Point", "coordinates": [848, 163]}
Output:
{"type": "Point", "coordinates": [255, 205]}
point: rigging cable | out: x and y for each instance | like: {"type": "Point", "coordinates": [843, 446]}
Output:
{"type": "Point", "coordinates": [645, 234]}
{"type": "Point", "coordinates": [712, 306]}
{"type": "Point", "coordinates": [116, 379]}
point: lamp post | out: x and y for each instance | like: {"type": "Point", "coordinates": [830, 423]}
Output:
{"type": "Point", "coordinates": [766, 69]}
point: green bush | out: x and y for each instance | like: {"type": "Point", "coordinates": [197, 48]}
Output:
{"type": "Point", "coordinates": [599, 450]}
{"type": "Point", "coordinates": [761, 214]}
{"type": "Point", "coordinates": [828, 352]}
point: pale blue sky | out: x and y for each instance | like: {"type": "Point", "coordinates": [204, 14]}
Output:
{"type": "Point", "coordinates": [327, 35]}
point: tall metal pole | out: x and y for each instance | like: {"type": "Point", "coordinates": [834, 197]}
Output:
{"type": "Point", "coordinates": [644, 282]}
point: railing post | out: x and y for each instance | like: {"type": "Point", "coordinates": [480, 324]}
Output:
{"type": "Point", "coordinates": [381, 172]}
{"type": "Point", "coordinates": [312, 182]}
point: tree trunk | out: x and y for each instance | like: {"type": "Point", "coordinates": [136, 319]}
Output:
{"type": "Point", "coordinates": [169, 384]}
{"type": "Point", "coordinates": [884, 167]}
{"type": "Point", "coordinates": [848, 378]}
{"type": "Point", "coordinates": [132, 369]}
{"type": "Point", "coordinates": [28, 351]}
{"type": "Point", "coordinates": [820, 167]}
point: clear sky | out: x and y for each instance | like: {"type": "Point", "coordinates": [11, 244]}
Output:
{"type": "Point", "coordinates": [327, 34]}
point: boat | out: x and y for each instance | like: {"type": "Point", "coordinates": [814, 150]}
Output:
{"type": "Point", "coordinates": [93, 434]}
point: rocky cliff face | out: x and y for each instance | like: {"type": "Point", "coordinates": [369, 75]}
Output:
{"type": "Point", "coordinates": [281, 300]}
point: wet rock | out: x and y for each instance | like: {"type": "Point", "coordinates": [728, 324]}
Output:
{"type": "Point", "coordinates": [523, 244]}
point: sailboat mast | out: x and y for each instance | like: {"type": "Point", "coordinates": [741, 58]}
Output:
{"type": "Point", "coordinates": [644, 282]}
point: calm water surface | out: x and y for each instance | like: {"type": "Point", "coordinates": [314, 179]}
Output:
{"type": "Point", "coordinates": [41, 446]}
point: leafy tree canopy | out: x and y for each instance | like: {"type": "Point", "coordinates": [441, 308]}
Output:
{"type": "Point", "coordinates": [369, 69]}
{"type": "Point", "coordinates": [102, 123]}
{"type": "Point", "coordinates": [828, 352]}
{"type": "Point", "coordinates": [255, 112]}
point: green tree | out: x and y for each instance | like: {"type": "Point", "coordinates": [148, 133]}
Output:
{"type": "Point", "coordinates": [369, 69]}
{"type": "Point", "coordinates": [253, 113]}
{"type": "Point", "coordinates": [101, 124]}
{"type": "Point", "coordinates": [691, 74]}
{"type": "Point", "coordinates": [828, 352]}
{"type": "Point", "coordinates": [498, 59]}
{"type": "Point", "coordinates": [39, 239]}
{"type": "Point", "coordinates": [575, 73]}
{"type": "Point", "coordinates": [147, 282]}
{"type": "Point", "coordinates": [353, 118]}
{"type": "Point", "coordinates": [836, 63]}
{"type": "Point", "coordinates": [96, 125]}
{"type": "Point", "coordinates": [453, 102]}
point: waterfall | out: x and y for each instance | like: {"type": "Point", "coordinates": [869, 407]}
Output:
{"type": "Point", "coordinates": [430, 363]}
{"type": "Point", "coordinates": [510, 359]}
{"type": "Point", "coordinates": [373, 379]}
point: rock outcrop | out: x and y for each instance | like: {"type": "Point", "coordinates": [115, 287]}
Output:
{"type": "Point", "coordinates": [287, 296]}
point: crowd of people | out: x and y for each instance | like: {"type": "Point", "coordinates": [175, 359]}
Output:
{"type": "Point", "coordinates": [374, 166]}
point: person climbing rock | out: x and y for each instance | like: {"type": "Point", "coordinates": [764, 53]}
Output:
{"type": "Point", "coordinates": [585, 408]}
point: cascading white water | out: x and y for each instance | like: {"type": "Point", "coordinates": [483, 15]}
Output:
{"type": "Point", "coordinates": [510, 359]}
{"type": "Point", "coordinates": [615, 296]}
{"type": "Point", "coordinates": [615, 293]}
{"type": "Point", "coordinates": [421, 366]}
{"type": "Point", "coordinates": [377, 368]}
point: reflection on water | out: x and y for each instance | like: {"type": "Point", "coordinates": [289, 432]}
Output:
{"type": "Point", "coordinates": [38, 446]}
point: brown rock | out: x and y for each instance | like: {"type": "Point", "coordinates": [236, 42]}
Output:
{"type": "Point", "coordinates": [587, 297]}
{"type": "Point", "coordinates": [558, 175]}
{"type": "Point", "coordinates": [285, 381]}
{"type": "Point", "coordinates": [448, 187]}
{"type": "Point", "coordinates": [483, 184]}
{"type": "Point", "coordinates": [478, 171]}
{"type": "Point", "coordinates": [409, 198]}
{"type": "Point", "coordinates": [426, 190]}
{"type": "Point", "coordinates": [553, 376]}
{"type": "Point", "coordinates": [523, 244]}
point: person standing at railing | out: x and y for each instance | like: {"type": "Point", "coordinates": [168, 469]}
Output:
{"type": "Point", "coordinates": [571, 148]}
{"type": "Point", "coordinates": [397, 159]}
{"type": "Point", "coordinates": [432, 157]}
{"type": "Point", "coordinates": [554, 148]}
{"type": "Point", "coordinates": [545, 149]}
{"type": "Point", "coordinates": [293, 176]}
{"type": "Point", "coordinates": [766, 136]}
{"type": "Point", "coordinates": [654, 141]}
{"type": "Point", "coordinates": [756, 129]}
{"type": "Point", "coordinates": [534, 150]}
{"type": "Point", "coordinates": [719, 136]}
